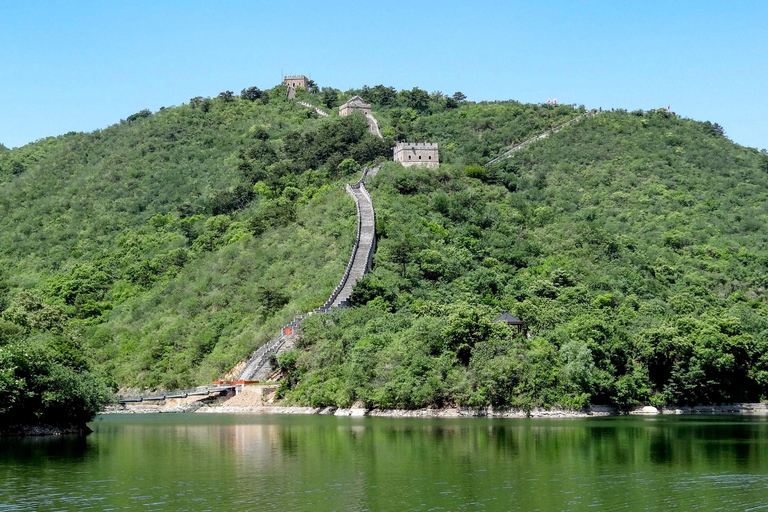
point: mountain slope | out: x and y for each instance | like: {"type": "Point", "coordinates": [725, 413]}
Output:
{"type": "Point", "coordinates": [167, 247]}
{"type": "Point", "coordinates": [633, 245]}
{"type": "Point", "coordinates": [172, 244]}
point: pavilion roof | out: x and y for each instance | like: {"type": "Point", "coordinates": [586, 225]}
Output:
{"type": "Point", "coordinates": [508, 318]}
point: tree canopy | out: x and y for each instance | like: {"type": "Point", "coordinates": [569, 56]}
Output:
{"type": "Point", "coordinates": [164, 249]}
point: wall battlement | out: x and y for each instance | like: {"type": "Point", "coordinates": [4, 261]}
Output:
{"type": "Point", "coordinates": [416, 145]}
{"type": "Point", "coordinates": [293, 81]}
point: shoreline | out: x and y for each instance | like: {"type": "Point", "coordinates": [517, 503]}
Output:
{"type": "Point", "coordinates": [754, 409]}
{"type": "Point", "coordinates": [44, 430]}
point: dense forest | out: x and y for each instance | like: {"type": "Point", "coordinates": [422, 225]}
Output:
{"type": "Point", "coordinates": [162, 250]}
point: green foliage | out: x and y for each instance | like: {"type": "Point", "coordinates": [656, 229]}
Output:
{"type": "Point", "coordinates": [330, 97]}
{"type": "Point", "coordinates": [625, 246]}
{"type": "Point", "coordinates": [40, 384]}
{"type": "Point", "coordinates": [631, 245]}
{"type": "Point", "coordinates": [250, 93]}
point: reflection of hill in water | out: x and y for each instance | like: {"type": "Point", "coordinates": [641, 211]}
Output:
{"type": "Point", "coordinates": [217, 462]}
{"type": "Point", "coordinates": [39, 449]}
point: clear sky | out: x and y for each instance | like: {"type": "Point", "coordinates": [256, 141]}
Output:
{"type": "Point", "coordinates": [80, 65]}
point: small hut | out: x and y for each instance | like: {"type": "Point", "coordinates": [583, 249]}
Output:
{"type": "Point", "coordinates": [510, 319]}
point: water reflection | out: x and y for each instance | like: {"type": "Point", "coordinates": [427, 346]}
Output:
{"type": "Point", "coordinates": [212, 462]}
{"type": "Point", "coordinates": [42, 448]}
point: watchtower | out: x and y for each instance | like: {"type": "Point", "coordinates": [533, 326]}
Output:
{"type": "Point", "coordinates": [295, 81]}
{"type": "Point", "coordinates": [416, 153]}
{"type": "Point", "coordinates": [356, 103]}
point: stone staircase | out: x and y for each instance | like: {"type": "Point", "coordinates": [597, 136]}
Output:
{"type": "Point", "coordinates": [365, 245]}
{"type": "Point", "coordinates": [258, 366]}
{"type": "Point", "coordinates": [319, 111]}
{"type": "Point", "coordinates": [360, 262]}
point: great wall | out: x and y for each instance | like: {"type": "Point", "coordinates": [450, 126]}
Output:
{"type": "Point", "coordinates": [258, 366]}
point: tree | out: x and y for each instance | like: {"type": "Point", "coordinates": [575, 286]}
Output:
{"type": "Point", "coordinates": [139, 115]}
{"type": "Point", "coordinates": [5, 287]}
{"type": "Point", "coordinates": [2, 147]}
{"type": "Point", "coordinates": [402, 249]}
{"type": "Point", "coordinates": [417, 99]}
{"type": "Point", "coordinates": [379, 94]}
{"type": "Point", "coordinates": [250, 93]}
{"type": "Point", "coordinates": [714, 130]}
{"type": "Point", "coordinates": [17, 167]}
{"type": "Point", "coordinates": [476, 171]}
{"type": "Point", "coordinates": [30, 312]}
{"type": "Point", "coordinates": [46, 380]}
{"type": "Point", "coordinates": [764, 160]}
{"type": "Point", "coordinates": [312, 87]}
{"type": "Point", "coordinates": [330, 97]}
{"type": "Point", "coordinates": [226, 96]}
{"type": "Point", "coordinates": [459, 96]}
{"type": "Point", "coordinates": [271, 299]}
{"type": "Point", "coordinates": [348, 166]}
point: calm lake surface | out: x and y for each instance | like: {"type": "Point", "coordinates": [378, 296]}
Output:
{"type": "Point", "coordinates": [215, 462]}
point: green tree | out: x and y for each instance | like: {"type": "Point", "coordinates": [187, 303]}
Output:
{"type": "Point", "coordinates": [402, 249]}
{"type": "Point", "coordinates": [330, 97]}
{"type": "Point", "coordinates": [250, 93]}
{"type": "Point", "coordinates": [227, 96]}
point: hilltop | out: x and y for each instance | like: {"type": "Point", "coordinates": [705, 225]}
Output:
{"type": "Point", "coordinates": [166, 247]}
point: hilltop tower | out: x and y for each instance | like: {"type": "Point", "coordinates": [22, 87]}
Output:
{"type": "Point", "coordinates": [294, 81]}
{"type": "Point", "coordinates": [356, 103]}
{"type": "Point", "coordinates": [417, 153]}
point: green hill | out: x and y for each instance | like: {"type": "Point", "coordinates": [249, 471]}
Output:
{"type": "Point", "coordinates": [167, 247]}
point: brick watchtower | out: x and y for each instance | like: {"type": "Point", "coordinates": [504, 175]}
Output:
{"type": "Point", "coordinates": [296, 81]}
{"type": "Point", "coordinates": [417, 153]}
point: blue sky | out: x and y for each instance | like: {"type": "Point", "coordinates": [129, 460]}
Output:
{"type": "Point", "coordinates": [81, 66]}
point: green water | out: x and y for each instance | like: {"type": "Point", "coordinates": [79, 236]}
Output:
{"type": "Point", "coordinates": [235, 463]}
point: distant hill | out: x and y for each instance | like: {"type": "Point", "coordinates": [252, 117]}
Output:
{"type": "Point", "coordinates": [169, 245]}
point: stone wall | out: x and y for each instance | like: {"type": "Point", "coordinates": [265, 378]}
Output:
{"type": "Point", "coordinates": [419, 153]}
{"type": "Point", "coordinates": [355, 104]}
{"type": "Point", "coordinates": [296, 81]}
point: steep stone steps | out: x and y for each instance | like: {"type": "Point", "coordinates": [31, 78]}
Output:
{"type": "Point", "coordinates": [319, 111]}
{"type": "Point", "coordinates": [365, 245]}
{"type": "Point", "coordinates": [360, 262]}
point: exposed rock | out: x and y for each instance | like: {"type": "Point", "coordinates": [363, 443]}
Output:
{"type": "Point", "coordinates": [648, 409]}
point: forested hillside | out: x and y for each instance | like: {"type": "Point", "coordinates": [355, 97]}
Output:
{"type": "Point", "coordinates": [165, 248]}
{"type": "Point", "coordinates": [633, 246]}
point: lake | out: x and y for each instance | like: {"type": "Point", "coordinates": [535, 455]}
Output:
{"type": "Point", "coordinates": [201, 462]}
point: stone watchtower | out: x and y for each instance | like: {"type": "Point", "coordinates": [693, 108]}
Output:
{"type": "Point", "coordinates": [356, 103]}
{"type": "Point", "coordinates": [294, 81]}
{"type": "Point", "coordinates": [417, 153]}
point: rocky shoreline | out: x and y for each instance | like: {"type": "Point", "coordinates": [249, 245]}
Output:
{"type": "Point", "coordinates": [448, 412]}
{"type": "Point", "coordinates": [44, 430]}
